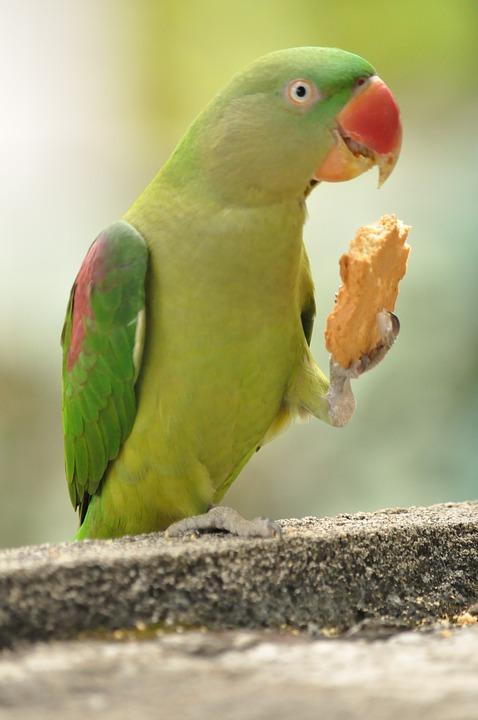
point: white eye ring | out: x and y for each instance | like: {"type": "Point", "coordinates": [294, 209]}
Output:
{"type": "Point", "coordinates": [302, 93]}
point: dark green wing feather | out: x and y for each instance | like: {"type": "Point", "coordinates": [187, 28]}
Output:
{"type": "Point", "coordinates": [102, 343]}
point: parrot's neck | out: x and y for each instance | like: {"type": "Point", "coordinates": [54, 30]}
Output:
{"type": "Point", "coordinates": [215, 210]}
{"type": "Point", "coordinates": [233, 164]}
{"type": "Point", "coordinates": [205, 234]}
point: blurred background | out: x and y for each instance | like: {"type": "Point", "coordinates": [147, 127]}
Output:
{"type": "Point", "coordinates": [95, 94]}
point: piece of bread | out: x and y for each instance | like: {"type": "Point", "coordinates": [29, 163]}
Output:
{"type": "Point", "coordinates": [371, 270]}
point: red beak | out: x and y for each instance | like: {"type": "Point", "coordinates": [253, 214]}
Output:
{"type": "Point", "coordinates": [368, 133]}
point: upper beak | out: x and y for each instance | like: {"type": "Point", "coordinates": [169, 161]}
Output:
{"type": "Point", "coordinates": [368, 133]}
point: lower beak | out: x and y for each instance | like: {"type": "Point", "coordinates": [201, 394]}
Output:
{"type": "Point", "coordinates": [368, 133]}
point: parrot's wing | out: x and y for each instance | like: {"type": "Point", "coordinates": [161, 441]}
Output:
{"type": "Point", "coordinates": [102, 343]}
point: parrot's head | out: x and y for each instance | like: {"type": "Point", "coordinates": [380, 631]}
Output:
{"type": "Point", "coordinates": [294, 118]}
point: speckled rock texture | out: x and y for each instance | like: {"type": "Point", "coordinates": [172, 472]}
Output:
{"type": "Point", "coordinates": [383, 571]}
{"type": "Point", "coordinates": [245, 675]}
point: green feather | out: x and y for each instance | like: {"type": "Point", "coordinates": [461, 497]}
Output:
{"type": "Point", "coordinates": [81, 464]}
{"type": "Point", "coordinates": [129, 402]}
{"type": "Point", "coordinates": [122, 357]}
{"type": "Point", "coordinates": [89, 407]}
{"type": "Point", "coordinates": [121, 413]}
{"type": "Point", "coordinates": [98, 392]}
{"type": "Point", "coordinates": [99, 387]}
{"type": "Point", "coordinates": [69, 460]}
{"type": "Point", "coordinates": [96, 455]}
{"type": "Point", "coordinates": [110, 426]}
{"type": "Point", "coordinates": [106, 303]}
{"type": "Point", "coordinates": [72, 416]}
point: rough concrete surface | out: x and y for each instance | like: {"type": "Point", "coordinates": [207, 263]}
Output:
{"type": "Point", "coordinates": [245, 675]}
{"type": "Point", "coordinates": [147, 627]}
{"type": "Point", "coordinates": [397, 567]}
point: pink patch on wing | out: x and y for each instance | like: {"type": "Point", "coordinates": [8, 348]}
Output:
{"type": "Point", "coordinates": [91, 272]}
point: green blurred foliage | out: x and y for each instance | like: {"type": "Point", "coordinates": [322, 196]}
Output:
{"type": "Point", "coordinates": [96, 94]}
{"type": "Point", "coordinates": [190, 49]}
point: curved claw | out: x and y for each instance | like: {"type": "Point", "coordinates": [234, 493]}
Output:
{"type": "Point", "coordinates": [389, 328]}
{"type": "Point", "coordinates": [395, 323]}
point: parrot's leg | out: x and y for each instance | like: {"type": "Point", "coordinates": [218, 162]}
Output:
{"type": "Point", "coordinates": [225, 518]}
{"type": "Point", "coordinates": [333, 400]}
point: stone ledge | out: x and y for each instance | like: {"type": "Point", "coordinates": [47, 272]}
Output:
{"type": "Point", "coordinates": [245, 675]}
{"type": "Point", "coordinates": [397, 567]}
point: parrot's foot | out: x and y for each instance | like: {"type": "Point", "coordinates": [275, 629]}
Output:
{"type": "Point", "coordinates": [225, 518]}
{"type": "Point", "coordinates": [340, 397]}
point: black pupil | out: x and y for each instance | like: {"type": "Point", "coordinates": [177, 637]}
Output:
{"type": "Point", "coordinates": [301, 91]}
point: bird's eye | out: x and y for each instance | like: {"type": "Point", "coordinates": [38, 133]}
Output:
{"type": "Point", "coordinates": [361, 81]}
{"type": "Point", "coordinates": [302, 93]}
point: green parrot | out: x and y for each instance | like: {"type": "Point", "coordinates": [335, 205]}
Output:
{"type": "Point", "coordinates": [186, 338]}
